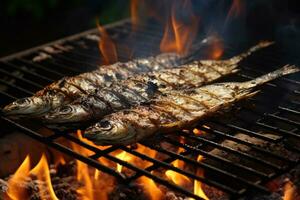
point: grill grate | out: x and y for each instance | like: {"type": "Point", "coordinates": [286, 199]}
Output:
{"type": "Point", "coordinates": [276, 111]}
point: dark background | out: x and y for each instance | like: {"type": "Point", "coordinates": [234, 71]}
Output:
{"type": "Point", "coordinates": [28, 23]}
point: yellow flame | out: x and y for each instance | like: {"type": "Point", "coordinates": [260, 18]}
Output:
{"type": "Point", "coordinates": [15, 192]}
{"type": "Point", "coordinates": [197, 184]}
{"type": "Point", "coordinates": [151, 188]}
{"type": "Point", "coordinates": [41, 171]}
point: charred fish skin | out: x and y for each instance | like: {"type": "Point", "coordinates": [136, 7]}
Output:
{"type": "Point", "coordinates": [139, 89]}
{"type": "Point", "coordinates": [175, 110]}
{"type": "Point", "coordinates": [74, 87]}
{"type": "Point", "coordinates": [135, 91]}
{"type": "Point", "coordinates": [70, 88]}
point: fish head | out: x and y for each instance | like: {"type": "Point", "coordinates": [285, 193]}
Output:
{"type": "Point", "coordinates": [111, 132]}
{"type": "Point", "coordinates": [26, 106]}
{"type": "Point", "coordinates": [67, 113]}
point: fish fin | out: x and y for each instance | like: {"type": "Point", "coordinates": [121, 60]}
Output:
{"type": "Point", "coordinates": [285, 70]}
{"type": "Point", "coordinates": [260, 45]}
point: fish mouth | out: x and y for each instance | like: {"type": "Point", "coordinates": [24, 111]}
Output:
{"type": "Point", "coordinates": [67, 114]}
{"type": "Point", "coordinates": [117, 135]}
{"type": "Point", "coordinates": [30, 106]}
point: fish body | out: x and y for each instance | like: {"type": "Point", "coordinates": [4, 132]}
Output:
{"type": "Point", "coordinates": [175, 110]}
{"type": "Point", "coordinates": [69, 89]}
{"type": "Point", "coordinates": [135, 91]}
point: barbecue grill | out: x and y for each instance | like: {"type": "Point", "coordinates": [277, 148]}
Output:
{"type": "Point", "coordinates": [274, 110]}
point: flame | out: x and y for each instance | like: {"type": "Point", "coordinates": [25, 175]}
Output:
{"type": "Point", "coordinates": [289, 191]}
{"type": "Point", "coordinates": [179, 35]}
{"type": "Point", "coordinates": [197, 184]}
{"type": "Point", "coordinates": [216, 48]}
{"type": "Point", "coordinates": [134, 5]}
{"type": "Point", "coordinates": [177, 178]}
{"type": "Point", "coordinates": [125, 157]}
{"type": "Point", "coordinates": [106, 46]}
{"type": "Point", "coordinates": [41, 171]}
{"type": "Point", "coordinates": [15, 192]}
{"type": "Point", "coordinates": [236, 9]}
{"type": "Point", "coordinates": [150, 188]}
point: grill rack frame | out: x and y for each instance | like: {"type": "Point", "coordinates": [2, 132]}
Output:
{"type": "Point", "coordinates": [91, 160]}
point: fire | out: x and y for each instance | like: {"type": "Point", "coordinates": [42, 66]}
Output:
{"type": "Point", "coordinates": [41, 171]}
{"type": "Point", "coordinates": [179, 33]}
{"type": "Point", "coordinates": [125, 157]}
{"type": "Point", "coordinates": [134, 14]}
{"type": "Point", "coordinates": [289, 191]}
{"type": "Point", "coordinates": [236, 9]}
{"type": "Point", "coordinates": [197, 184]}
{"type": "Point", "coordinates": [217, 48]}
{"type": "Point", "coordinates": [177, 178]}
{"type": "Point", "coordinates": [151, 188]}
{"type": "Point", "coordinates": [15, 192]}
{"type": "Point", "coordinates": [106, 46]}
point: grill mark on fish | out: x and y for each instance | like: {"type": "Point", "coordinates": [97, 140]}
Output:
{"type": "Point", "coordinates": [100, 76]}
{"type": "Point", "coordinates": [174, 105]}
{"type": "Point", "coordinates": [220, 97]}
{"type": "Point", "coordinates": [163, 110]}
{"type": "Point", "coordinates": [192, 99]}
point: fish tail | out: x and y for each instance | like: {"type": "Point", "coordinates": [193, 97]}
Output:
{"type": "Point", "coordinates": [260, 45]}
{"type": "Point", "coordinates": [285, 70]}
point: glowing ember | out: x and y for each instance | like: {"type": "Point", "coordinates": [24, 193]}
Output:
{"type": "Point", "coordinates": [41, 171]}
{"type": "Point", "coordinates": [197, 131]}
{"type": "Point", "coordinates": [106, 46]}
{"type": "Point", "coordinates": [197, 184]}
{"type": "Point", "coordinates": [289, 191]}
{"type": "Point", "coordinates": [15, 192]}
{"type": "Point", "coordinates": [150, 188]}
{"type": "Point", "coordinates": [180, 33]}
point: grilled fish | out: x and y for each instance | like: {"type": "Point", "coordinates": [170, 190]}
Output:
{"type": "Point", "coordinates": [134, 91]}
{"type": "Point", "coordinates": [69, 89]}
{"type": "Point", "coordinates": [175, 110]}
{"type": "Point", "coordinates": [141, 88]}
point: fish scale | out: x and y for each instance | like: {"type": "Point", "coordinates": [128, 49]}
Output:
{"type": "Point", "coordinates": [127, 93]}
{"type": "Point", "coordinates": [72, 88]}
{"type": "Point", "coordinates": [175, 110]}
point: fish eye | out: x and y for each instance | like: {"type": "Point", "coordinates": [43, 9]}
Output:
{"type": "Point", "coordinates": [65, 109]}
{"type": "Point", "coordinates": [105, 125]}
{"type": "Point", "coordinates": [22, 101]}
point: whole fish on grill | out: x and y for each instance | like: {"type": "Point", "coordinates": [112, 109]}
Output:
{"type": "Point", "coordinates": [175, 110]}
{"type": "Point", "coordinates": [68, 89]}
{"type": "Point", "coordinates": [134, 91]}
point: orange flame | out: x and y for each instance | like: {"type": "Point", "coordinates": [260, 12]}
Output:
{"type": "Point", "coordinates": [106, 46]}
{"type": "Point", "coordinates": [197, 184]}
{"type": "Point", "coordinates": [150, 188]}
{"type": "Point", "coordinates": [177, 178]}
{"type": "Point", "coordinates": [217, 48]}
{"type": "Point", "coordinates": [236, 9]}
{"type": "Point", "coordinates": [41, 171]}
{"type": "Point", "coordinates": [15, 192]}
{"type": "Point", "coordinates": [289, 191]}
{"type": "Point", "coordinates": [178, 35]}
{"type": "Point", "coordinates": [134, 14]}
